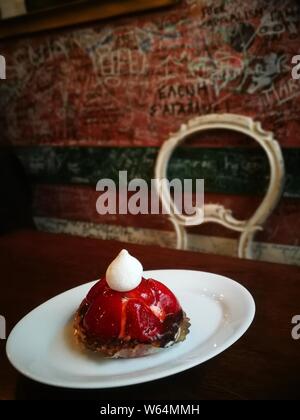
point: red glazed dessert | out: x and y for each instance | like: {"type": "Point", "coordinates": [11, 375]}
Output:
{"type": "Point", "coordinates": [129, 323]}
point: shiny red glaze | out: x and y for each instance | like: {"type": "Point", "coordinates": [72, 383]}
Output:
{"type": "Point", "coordinates": [135, 315]}
{"type": "Point", "coordinates": [141, 323]}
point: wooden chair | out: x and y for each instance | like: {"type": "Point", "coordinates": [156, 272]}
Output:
{"type": "Point", "coordinates": [217, 213]}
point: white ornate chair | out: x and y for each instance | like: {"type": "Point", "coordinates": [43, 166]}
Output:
{"type": "Point", "coordinates": [214, 212]}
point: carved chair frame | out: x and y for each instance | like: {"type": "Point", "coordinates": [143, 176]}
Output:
{"type": "Point", "coordinates": [217, 213]}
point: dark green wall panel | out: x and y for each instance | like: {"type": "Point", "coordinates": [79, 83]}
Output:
{"type": "Point", "coordinates": [226, 170]}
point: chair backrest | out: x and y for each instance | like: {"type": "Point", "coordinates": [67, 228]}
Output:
{"type": "Point", "coordinates": [214, 212]}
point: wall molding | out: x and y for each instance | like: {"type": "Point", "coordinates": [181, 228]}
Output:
{"type": "Point", "coordinates": [282, 254]}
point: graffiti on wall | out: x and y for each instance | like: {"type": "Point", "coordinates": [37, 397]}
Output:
{"type": "Point", "coordinates": [125, 85]}
{"type": "Point", "coordinates": [134, 81]}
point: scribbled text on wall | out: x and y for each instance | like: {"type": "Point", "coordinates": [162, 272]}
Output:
{"type": "Point", "coordinates": [2, 67]}
{"type": "Point", "coordinates": [296, 68]}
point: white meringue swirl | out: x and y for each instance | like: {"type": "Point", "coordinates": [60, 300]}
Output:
{"type": "Point", "coordinates": [124, 273]}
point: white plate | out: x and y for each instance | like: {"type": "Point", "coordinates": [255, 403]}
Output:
{"type": "Point", "coordinates": [41, 346]}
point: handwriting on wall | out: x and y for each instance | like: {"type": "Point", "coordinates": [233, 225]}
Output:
{"type": "Point", "coordinates": [227, 170]}
{"type": "Point", "coordinates": [134, 81]}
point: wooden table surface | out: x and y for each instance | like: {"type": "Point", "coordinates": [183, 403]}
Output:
{"type": "Point", "coordinates": [264, 364]}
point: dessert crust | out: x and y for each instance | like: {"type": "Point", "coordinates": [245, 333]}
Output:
{"type": "Point", "coordinates": [121, 348]}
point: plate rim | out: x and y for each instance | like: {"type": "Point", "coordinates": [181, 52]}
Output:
{"type": "Point", "coordinates": [235, 337]}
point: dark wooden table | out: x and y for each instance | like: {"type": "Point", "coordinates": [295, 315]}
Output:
{"type": "Point", "coordinates": [264, 364]}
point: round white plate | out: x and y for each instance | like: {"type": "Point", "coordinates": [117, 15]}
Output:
{"type": "Point", "coordinates": [42, 347]}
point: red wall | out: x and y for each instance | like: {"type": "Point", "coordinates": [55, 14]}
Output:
{"type": "Point", "coordinates": [131, 81]}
